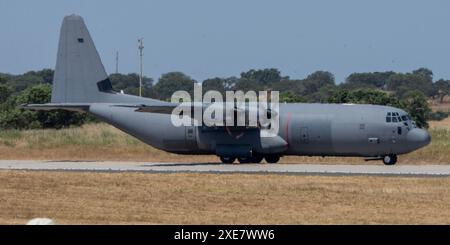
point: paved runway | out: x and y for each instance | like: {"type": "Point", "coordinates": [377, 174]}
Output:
{"type": "Point", "coordinates": [299, 169]}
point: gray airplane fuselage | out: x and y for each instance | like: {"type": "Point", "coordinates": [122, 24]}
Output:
{"type": "Point", "coordinates": [81, 84]}
{"type": "Point", "coordinates": [306, 129]}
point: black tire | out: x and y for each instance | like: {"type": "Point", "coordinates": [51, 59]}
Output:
{"type": "Point", "coordinates": [390, 159]}
{"type": "Point", "coordinates": [272, 158]}
{"type": "Point", "coordinates": [227, 159]}
{"type": "Point", "coordinates": [257, 159]}
{"type": "Point", "coordinates": [244, 159]}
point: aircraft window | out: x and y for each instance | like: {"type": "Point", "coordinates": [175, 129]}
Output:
{"type": "Point", "coordinates": [80, 40]}
{"type": "Point", "coordinates": [395, 117]}
{"type": "Point", "coordinates": [399, 130]}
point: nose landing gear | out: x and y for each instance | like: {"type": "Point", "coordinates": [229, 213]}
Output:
{"type": "Point", "coordinates": [390, 159]}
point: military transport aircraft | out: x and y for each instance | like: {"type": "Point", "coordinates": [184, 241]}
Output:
{"type": "Point", "coordinates": [370, 131]}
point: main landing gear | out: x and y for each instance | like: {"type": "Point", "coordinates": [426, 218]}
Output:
{"type": "Point", "coordinates": [228, 159]}
{"type": "Point", "coordinates": [390, 159]}
{"type": "Point", "coordinates": [252, 159]}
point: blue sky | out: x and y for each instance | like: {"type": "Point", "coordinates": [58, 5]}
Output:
{"type": "Point", "coordinates": [209, 38]}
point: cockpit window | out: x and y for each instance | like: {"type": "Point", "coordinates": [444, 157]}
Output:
{"type": "Point", "coordinates": [396, 117]}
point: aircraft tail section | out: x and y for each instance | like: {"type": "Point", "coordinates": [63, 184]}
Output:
{"type": "Point", "coordinates": [80, 78]}
{"type": "Point", "coordinates": [79, 74]}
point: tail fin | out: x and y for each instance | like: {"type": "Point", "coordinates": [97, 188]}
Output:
{"type": "Point", "coordinates": [79, 74]}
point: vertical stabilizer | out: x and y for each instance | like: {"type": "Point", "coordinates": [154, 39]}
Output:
{"type": "Point", "coordinates": [79, 74]}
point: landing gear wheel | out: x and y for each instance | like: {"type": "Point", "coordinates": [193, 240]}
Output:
{"type": "Point", "coordinates": [272, 158]}
{"type": "Point", "coordinates": [257, 159]}
{"type": "Point", "coordinates": [228, 159]}
{"type": "Point", "coordinates": [390, 159]}
{"type": "Point", "coordinates": [244, 159]}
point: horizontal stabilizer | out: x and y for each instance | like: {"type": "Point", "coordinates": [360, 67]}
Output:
{"type": "Point", "coordinates": [56, 106]}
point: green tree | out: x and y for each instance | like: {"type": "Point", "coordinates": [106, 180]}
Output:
{"type": "Point", "coordinates": [289, 97]}
{"type": "Point", "coordinates": [129, 83]}
{"type": "Point", "coordinates": [420, 80]}
{"type": "Point", "coordinates": [46, 75]}
{"type": "Point", "coordinates": [442, 88]}
{"type": "Point", "coordinates": [415, 103]}
{"type": "Point", "coordinates": [172, 82]}
{"type": "Point", "coordinates": [314, 85]}
{"type": "Point", "coordinates": [364, 96]}
{"type": "Point", "coordinates": [248, 85]}
{"type": "Point", "coordinates": [367, 80]}
{"type": "Point", "coordinates": [263, 77]}
{"type": "Point", "coordinates": [216, 84]}
{"type": "Point", "coordinates": [425, 74]}
{"type": "Point", "coordinates": [25, 119]}
{"type": "Point", "coordinates": [5, 92]}
{"type": "Point", "coordinates": [322, 78]}
{"type": "Point", "coordinates": [20, 82]}
{"type": "Point", "coordinates": [323, 94]}
{"type": "Point", "coordinates": [3, 80]}
{"type": "Point", "coordinates": [295, 87]}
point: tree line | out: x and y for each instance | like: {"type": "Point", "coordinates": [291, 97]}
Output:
{"type": "Point", "coordinates": [409, 91]}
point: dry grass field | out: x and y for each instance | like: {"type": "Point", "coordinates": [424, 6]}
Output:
{"type": "Point", "coordinates": [444, 124]}
{"type": "Point", "coordinates": [435, 105]}
{"type": "Point", "coordinates": [95, 141]}
{"type": "Point", "coordinates": [134, 198]}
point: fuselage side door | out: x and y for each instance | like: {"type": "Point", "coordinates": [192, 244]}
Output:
{"type": "Point", "coordinates": [190, 136]}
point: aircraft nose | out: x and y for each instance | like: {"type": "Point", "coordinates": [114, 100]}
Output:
{"type": "Point", "coordinates": [418, 138]}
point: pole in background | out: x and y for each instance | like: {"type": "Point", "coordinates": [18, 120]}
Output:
{"type": "Point", "coordinates": [117, 62]}
{"type": "Point", "coordinates": [141, 48]}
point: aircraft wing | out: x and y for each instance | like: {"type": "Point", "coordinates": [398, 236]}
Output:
{"type": "Point", "coordinates": [162, 109]}
{"type": "Point", "coordinates": [166, 108]}
{"type": "Point", "coordinates": [169, 107]}
{"type": "Point", "coordinates": [56, 106]}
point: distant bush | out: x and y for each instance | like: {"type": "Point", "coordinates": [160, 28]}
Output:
{"type": "Point", "coordinates": [13, 118]}
{"type": "Point", "coordinates": [439, 115]}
